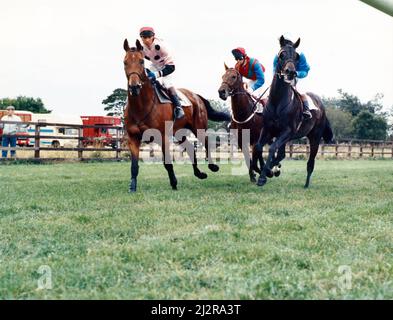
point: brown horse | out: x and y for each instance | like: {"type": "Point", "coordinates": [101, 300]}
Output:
{"type": "Point", "coordinates": [244, 117]}
{"type": "Point", "coordinates": [283, 115]}
{"type": "Point", "coordinates": [143, 112]}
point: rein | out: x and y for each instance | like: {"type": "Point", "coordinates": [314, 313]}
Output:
{"type": "Point", "coordinates": [253, 111]}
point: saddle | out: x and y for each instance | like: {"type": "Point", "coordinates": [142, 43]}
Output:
{"type": "Point", "coordinates": [311, 103]}
{"type": "Point", "coordinates": [163, 96]}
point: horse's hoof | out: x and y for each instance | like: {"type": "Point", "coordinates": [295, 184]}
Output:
{"type": "Point", "coordinates": [174, 184]}
{"type": "Point", "coordinates": [253, 179]}
{"type": "Point", "coordinates": [132, 188]}
{"type": "Point", "coordinates": [276, 170]}
{"type": "Point", "coordinates": [213, 167]}
{"type": "Point", "coordinates": [261, 181]}
{"type": "Point", "coordinates": [306, 186]}
{"type": "Point", "coordinates": [201, 175]}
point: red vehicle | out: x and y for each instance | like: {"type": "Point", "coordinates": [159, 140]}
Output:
{"type": "Point", "coordinates": [105, 135]}
{"type": "Point", "coordinates": [25, 117]}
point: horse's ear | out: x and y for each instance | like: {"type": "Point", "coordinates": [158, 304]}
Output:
{"type": "Point", "coordinates": [226, 67]}
{"type": "Point", "coordinates": [138, 45]}
{"type": "Point", "coordinates": [296, 43]}
{"type": "Point", "coordinates": [282, 41]}
{"type": "Point", "coordinates": [126, 45]}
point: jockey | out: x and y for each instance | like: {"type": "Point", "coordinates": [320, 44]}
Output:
{"type": "Point", "coordinates": [249, 68]}
{"type": "Point", "coordinates": [163, 65]}
{"type": "Point", "coordinates": [302, 69]}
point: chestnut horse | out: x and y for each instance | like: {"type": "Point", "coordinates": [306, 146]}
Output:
{"type": "Point", "coordinates": [244, 117]}
{"type": "Point", "coordinates": [143, 111]}
{"type": "Point", "coordinates": [283, 115]}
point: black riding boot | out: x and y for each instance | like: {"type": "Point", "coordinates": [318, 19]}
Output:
{"type": "Point", "coordinates": [178, 110]}
{"type": "Point", "coordinates": [306, 110]}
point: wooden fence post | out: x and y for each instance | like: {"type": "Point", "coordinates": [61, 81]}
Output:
{"type": "Point", "coordinates": [350, 150]}
{"type": "Point", "coordinates": [323, 151]}
{"type": "Point", "coordinates": [37, 142]}
{"type": "Point", "coordinates": [80, 144]}
{"type": "Point", "coordinates": [361, 151]}
{"type": "Point", "coordinates": [336, 150]}
{"type": "Point", "coordinates": [291, 151]}
{"type": "Point", "coordinates": [117, 143]}
{"type": "Point", "coordinates": [372, 150]}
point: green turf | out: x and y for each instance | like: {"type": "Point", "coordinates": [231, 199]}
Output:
{"type": "Point", "coordinates": [220, 238]}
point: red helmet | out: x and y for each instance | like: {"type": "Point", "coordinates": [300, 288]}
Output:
{"type": "Point", "coordinates": [146, 32]}
{"type": "Point", "coordinates": [239, 53]}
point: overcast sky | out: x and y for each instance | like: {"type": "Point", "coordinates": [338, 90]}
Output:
{"type": "Point", "coordinates": [70, 53]}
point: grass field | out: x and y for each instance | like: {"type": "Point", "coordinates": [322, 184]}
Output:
{"type": "Point", "coordinates": [221, 238]}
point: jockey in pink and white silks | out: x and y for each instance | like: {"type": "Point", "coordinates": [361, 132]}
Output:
{"type": "Point", "coordinates": [162, 65]}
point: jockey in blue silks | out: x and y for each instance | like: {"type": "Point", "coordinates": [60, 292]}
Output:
{"type": "Point", "coordinates": [302, 69]}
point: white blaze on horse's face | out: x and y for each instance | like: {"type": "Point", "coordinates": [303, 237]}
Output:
{"type": "Point", "coordinates": [134, 69]}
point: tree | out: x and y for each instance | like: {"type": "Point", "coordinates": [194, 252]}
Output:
{"type": "Point", "coordinates": [367, 125]}
{"type": "Point", "coordinates": [390, 121]}
{"type": "Point", "coordinates": [350, 103]}
{"type": "Point", "coordinates": [115, 102]}
{"type": "Point", "coordinates": [25, 103]}
{"type": "Point", "coordinates": [340, 121]}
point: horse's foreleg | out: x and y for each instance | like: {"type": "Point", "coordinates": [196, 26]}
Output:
{"type": "Point", "coordinates": [314, 146]}
{"type": "Point", "coordinates": [167, 160]}
{"type": "Point", "coordinates": [249, 162]}
{"type": "Point", "coordinates": [281, 141]}
{"type": "Point", "coordinates": [133, 145]}
{"type": "Point", "coordinates": [263, 139]}
{"type": "Point", "coordinates": [276, 162]}
{"type": "Point", "coordinates": [257, 157]}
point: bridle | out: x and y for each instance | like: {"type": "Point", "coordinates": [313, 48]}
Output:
{"type": "Point", "coordinates": [137, 122]}
{"type": "Point", "coordinates": [240, 91]}
{"type": "Point", "coordinates": [138, 74]}
{"type": "Point", "coordinates": [280, 67]}
{"type": "Point", "coordinates": [235, 91]}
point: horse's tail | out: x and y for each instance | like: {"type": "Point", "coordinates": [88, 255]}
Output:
{"type": "Point", "coordinates": [328, 132]}
{"type": "Point", "coordinates": [215, 115]}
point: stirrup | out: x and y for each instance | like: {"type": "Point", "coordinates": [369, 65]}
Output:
{"type": "Point", "coordinates": [179, 112]}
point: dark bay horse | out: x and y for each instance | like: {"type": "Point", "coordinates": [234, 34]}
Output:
{"type": "Point", "coordinates": [283, 118]}
{"type": "Point", "coordinates": [244, 118]}
{"type": "Point", "coordinates": [143, 112]}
